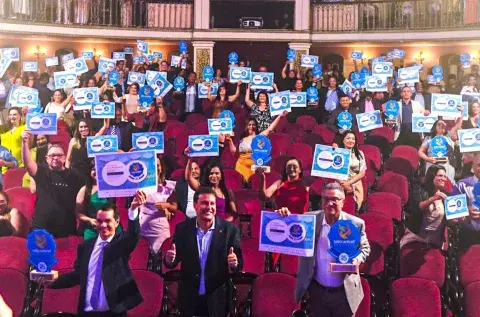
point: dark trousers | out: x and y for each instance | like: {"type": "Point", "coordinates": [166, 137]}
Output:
{"type": "Point", "coordinates": [201, 307]}
{"type": "Point", "coordinates": [467, 238]}
{"type": "Point", "coordinates": [328, 302]}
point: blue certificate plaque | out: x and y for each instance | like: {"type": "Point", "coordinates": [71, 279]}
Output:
{"type": "Point", "coordinates": [4, 64]}
{"type": "Point", "coordinates": [317, 71]}
{"type": "Point", "coordinates": [123, 174]}
{"type": "Point", "coordinates": [227, 114]}
{"type": "Point", "coordinates": [456, 206]}
{"type": "Point", "coordinates": [134, 77]}
{"type": "Point", "coordinates": [151, 74]}
{"type": "Point", "coordinates": [30, 66]}
{"type": "Point", "coordinates": [139, 59]}
{"type": "Point", "coordinates": [160, 86]}
{"type": "Point", "coordinates": [240, 74]}
{"type": "Point", "coordinates": [347, 87]}
{"type": "Point", "coordinates": [27, 99]}
{"type": "Point", "coordinates": [382, 69]}
{"type": "Point", "coordinates": [446, 105]}
{"type": "Point", "coordinates": [293, 235]}
{"type": "Point", "coordinates": [51, 61]}
{"type": "Point", "coordinates": [439, 146]}
{"type": "Point", "coordinates": [176, 59]}
{"type": "Point", "coordinates": [88, 55]}
{"type": "Point", "coordinates": [101, 144]}
{"type": "Point", "coordinates": [12, 53]}
{"type": "Point", "coordinates": [262, 81]}
{"type": "Point", "coordinates": [369, 121]}
{"type": "Point", "coordinates": [233, 58]}
{"type": "Point", "coordinates": [203, 90]}
{"type": "Point", "coordinates": [103, 110]}
{"type": "Point", "coordinates": [148, 141]}
{"type": "Point", "coordinates": [356, 55]}
{"type": "Point", "coordinates": [312, 95]}
{"type": "Point", "coordinates": [279, 102]}
{"type": "Point", "coordinates": [409, 75]}
{"type": "Point", "coordinates": [118, 56]}
{"type": "Point", "coordinates": [476, 196]}
{"type": "Point", "coordinates": [208, 73]}
{"type": "Point", "coordinates": [146, 96]}
{"type": "Point", "coordinates": [128, 50]}
{"type": "Point", "coordinates": [67, 57]}
{"type": "Point", "coordinates": [158, 55]}
{"type": "Point", "coordinates": [423, 124]}
{"type": "Point", "coordinates": [220, 126]}
{"type": "Point", "coordinates": [398, 53]}
{"type": "Point", "coordinates": [308, 60]}
{"type": "Point", "coordinates": [42, 123]}
{"type": "Point", "coordinates": [183, 47]}
{"type": "Point", "coordinates": [344, 237]}
{"type": "Point", "coordinates": [261, 149]}
{"type": "Point", "coordinates": [15, 91]}
{"type": "Point", "coordinates": [178, 83]}
{"type": "Point", "coordinates": [41, 247]}
{"type": "Point", "coordinates": [298, 99]}
{"type": "Point", "coordinates": [142, 47]}
{"type": "Point", "coordinates": [469, 140]}
{"type": "Point", "coordinates": [392, 110]}
{"type": "Point", "coordinates": [330, 163]}
{"type": "Point", "coordinates": [203, 145]}
{"type": "Point", "coordinates": [85, 97]}
{"type": "Point", "coordinates": [77, 66]}
{"type": "Point", "coordinates": [376, 83]}
{"type": "Point", "coordinates": [291, 55]}
{"type": "Point", "coordinates": [437, 72]}
{"type": "Point", "coordinates": [359, 80]}
{"type": "Point", "coordinates": [106, 65]}
{"type": "Point", "coordinates": [113, 78]}
{"type": "Point", "coordinates": [344, 120]}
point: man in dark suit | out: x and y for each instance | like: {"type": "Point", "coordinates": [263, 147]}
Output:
{"type": "Point", "coordinates": [188, 98]}
{"type": "Point", "coordinates": [328, 100]}
{"type": "Point", "coordinates": [208, 249]}
{"type": "Point", "coordinates": [345, 106]}
{"type": "Point", "coordinates": [424, 98]}
{"type": "Point", "coordinates": [107, 287]}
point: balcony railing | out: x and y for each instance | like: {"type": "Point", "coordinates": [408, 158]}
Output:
{"type": "Point", "coordinates": [114, 13]}
{"type": "Point", "coordinates": [394, 15]}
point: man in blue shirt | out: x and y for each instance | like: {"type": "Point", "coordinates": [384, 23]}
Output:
{"type": "Point", "coordinates": [469, 233]}
{"type": "Point", "coordinates": [208, 249]}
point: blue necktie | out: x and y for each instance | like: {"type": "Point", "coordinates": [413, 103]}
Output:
{"type": "Point", "coordinates": [95, 298]}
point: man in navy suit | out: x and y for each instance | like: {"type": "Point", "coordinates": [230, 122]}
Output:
{"type": "Point", "coordinates": [208, 249]}
{"type": "Point", "coordinates": [107, 287]}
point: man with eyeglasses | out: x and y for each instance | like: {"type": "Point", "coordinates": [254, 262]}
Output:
{"type": "Point", "coordinates": [331, 294]}
{"type": "Point", "coordinates": [57, 188]}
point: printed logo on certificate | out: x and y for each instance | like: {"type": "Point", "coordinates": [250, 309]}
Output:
{"type": "Point", "coordinates": [331, 163]}
{"type": "Point", "coordinates": [148, 141]}
{"type": "Point", "coordinates": [456, 206]}
{"type": "Point", "coordinates": [42, 123]}
{"type": "Point", "coordinates": [101, 144]}
{"type": "Point", "coordinates": [469, 140]}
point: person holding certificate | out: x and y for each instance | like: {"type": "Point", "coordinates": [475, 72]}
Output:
{"type": "Point", "coordinates": [332, 294]}
{"type": "Point", "coordinates": [245, 161]}
{"type": "Point", "coordinates": [358, 167]}
{"type": "Point", "coordinates": [11, 139]}
{"type": "Point", "coordinates": [222, 101]}
{"type": "Point", "coordinates": [408, 107]}
{"type": "Point", "coordinates": [333, 123]}
{"type": "Point", "coordinates": [261, 109]}
{"type": "Point", "coordinates": [427, 222]}
{"type": "Point", "coordinates": [428, 153]}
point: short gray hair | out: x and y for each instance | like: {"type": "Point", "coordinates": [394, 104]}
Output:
{"type": "Point", "coordinates": [334, 186]}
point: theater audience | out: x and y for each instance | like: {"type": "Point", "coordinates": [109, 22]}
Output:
{"type": "Point", "coordinates": [9, 217]}
{"type": "Point", "coordinates": [11, 139]}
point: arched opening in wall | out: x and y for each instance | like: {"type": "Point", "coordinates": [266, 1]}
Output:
{"type": "Point", "coordinates": [65, 51]}
{"type": "Point", "coordinates": [332, 63]}
{"type": "Point", "coordinates": [451, 65]}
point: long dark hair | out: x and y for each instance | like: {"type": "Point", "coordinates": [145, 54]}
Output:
{"type": "Point", "coordinates": [355, 149]}
{"type": "Point", "coordinates": [433, 130]}
{"type": "Point", "coordinates": [470, 104]}
{"type": "Point", "coordinates": [263, 92]}
{"type": "Point", "coordinates": [204, 181]}
{"type": "Point", "coordinates": [245, 131]}
{"type": "Point", "coordinates": [90, 181]}
{"type": "Point", "coordinates": [217, 98]}
{"type": "Point", "coordinates": [284, 173]}
{"type": "Point", "coordinates": [429, 176]}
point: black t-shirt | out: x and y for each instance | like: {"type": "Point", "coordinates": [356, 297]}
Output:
{"type": "Point", "coordinates": [56, 197]}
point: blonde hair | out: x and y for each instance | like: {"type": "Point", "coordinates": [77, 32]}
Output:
{"type": "Point", "coordinates": [20, 113]}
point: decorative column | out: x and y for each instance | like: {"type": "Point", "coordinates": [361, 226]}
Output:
{"type": "Point", "coordinates": [300, 48]}
{"type": "Point", "coordinates": [201, 9]}
{"type": "Point", "coordinates": [202, 56]}
{"type": "Point", "coordinates": [302, 15]}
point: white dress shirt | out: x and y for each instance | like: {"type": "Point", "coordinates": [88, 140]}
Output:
{"type": "Point", "coordinates": [190, 210]}
{"type": "Point", "coordinates": [92, 267]}
{"type": "Point", "coordinates": [322, 273]}
{"type": "Point", "coordinates": [190, 98]}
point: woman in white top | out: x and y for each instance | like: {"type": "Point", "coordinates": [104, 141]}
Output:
{"type": "Point", "coordinates": [129, 101]}
{"type": "Point", "coordinates": [59, 106]}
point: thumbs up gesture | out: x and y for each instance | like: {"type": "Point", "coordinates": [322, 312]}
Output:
{"type": "Point", "coordinates": [170, 256]}
{"type": "Point", "coordinates": [232, 259]}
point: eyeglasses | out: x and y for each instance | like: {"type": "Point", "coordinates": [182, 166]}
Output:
{"type": "Point", "coordinates": [292, 167]}
{"type": "Point", "coordinates": [334, 199]}
{"type": "Point", "coordinates": [57, 156]}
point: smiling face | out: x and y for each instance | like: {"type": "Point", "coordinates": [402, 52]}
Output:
{"type": "Point", "coordinates": [215, 176]}
{"type": "Point", "coordinates": [133, 90]}
{"type": "Point", "coordinates": [106, 223]}
{"type": "Point", "coordinates": [406, 93]}
{"type": "Point", "coordinates": [441, 128]}
{"type": "Point", "coordinates": [349, 141]}
{"type": "Point", "coordinates": [298, 85]}
{"type": "Point", "coordinates": [3, 204]}
{"type": "Point", "coordinates": [205, 207]}
{"type": "Point", "coordinates": [163, 66]}
{"type": "Point", "coordinates": [345, 102]}
{"type": "Point", "coordinates": [14, 117]}
{"type": "Point", "coordinates": [252, 127]}
{"type": "Point", "coordinates": [41, 140]}
{"type": "Point", "coordinates": [472, 81]}
{"type": "Point", "coordinates": [195, 170]}
{"type": "Point", "coordinates": [91, 83]}
{"type": "Point", "coordinates": [262, 97]}
{"type": "Point", "coordinates": [57, 97]}
{"type": "Point", "coordinates": [332, 202]}
{"type": "Point", "coordinates": [55, 158]}
{"type": "Point", "coordinates": [83, 129]}
{"type": "Point", "coordinates": [18, 81]}
{"type": "Point", "coordinates": [222, 91]}
{"type": "Point", "coordinates": [440, 179]}
{"type": "Point", "coordinates": [332, 83]}
{"type": "Point", "coordinates": [293, 169]}
{"type": "Point", "coordinates": [475, 109]}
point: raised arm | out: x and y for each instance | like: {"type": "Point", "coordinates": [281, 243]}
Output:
{"type": "Point", "coordinates": [264, 192]}
{"type": "Point", "coordinates": [274, 124]}
{"type": "Point", "coordinates": [248, 102]}
{"type": "Point", "coordinates": [284, 70]}
{"type": "Point", "coordinates": [30, 165]}
{"type": "Point", "coordinates": [237, 93]}
{"type": "Point", "coordinates": [192, 182]}
{"type": "Point", "coordinates": [104, 128]}
{"type": "Point", "coordinates": [454, 130]}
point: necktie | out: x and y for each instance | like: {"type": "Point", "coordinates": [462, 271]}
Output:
{"type": "Point", "coordinates": [114, 130]}
{"type": "Point", "coordinates": [95, 298]}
